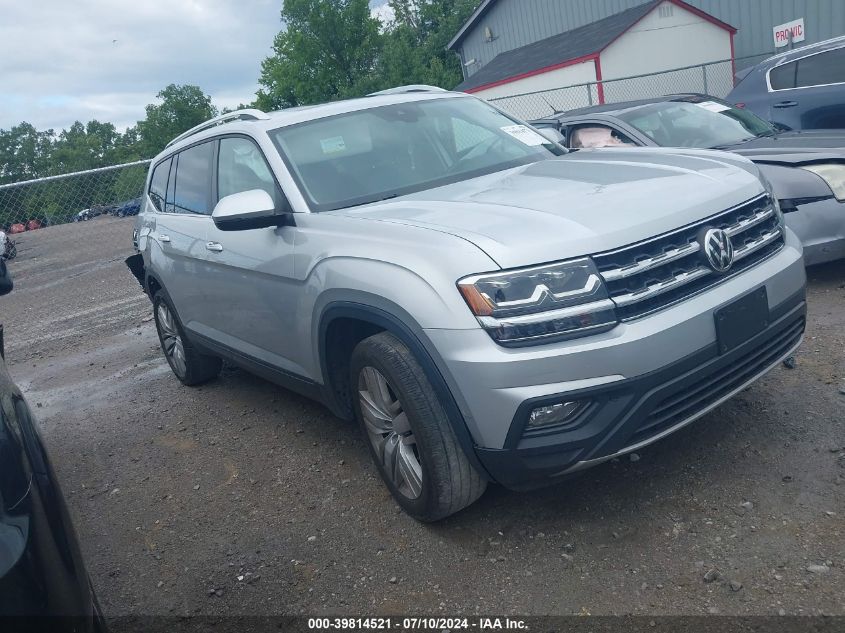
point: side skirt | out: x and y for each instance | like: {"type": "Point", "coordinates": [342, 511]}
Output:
{"type": "Point", "coordinates": [299, 384]}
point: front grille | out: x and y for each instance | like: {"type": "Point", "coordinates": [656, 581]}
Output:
{"type": "Point", "coordinates": [709, 388]}
{"type": "Point", "coordinates": [651, 275]}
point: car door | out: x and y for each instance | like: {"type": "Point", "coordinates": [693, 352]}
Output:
{"type": "Point", "coordinates": [248, 277]}
{"type": "Point", "coordinates": [809, 92]}
{"type": "Point", "coordinates": [181, 222]}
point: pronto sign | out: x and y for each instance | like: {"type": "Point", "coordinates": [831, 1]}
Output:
{"type": "Point", "coordinates": [783, 31]}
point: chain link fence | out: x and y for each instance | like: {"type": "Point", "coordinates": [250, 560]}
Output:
{"type": "Point", "coordinates": [80, 196]}
{"type": "Point", "coordinates": [714, 78]}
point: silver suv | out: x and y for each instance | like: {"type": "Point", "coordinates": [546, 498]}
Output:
{"type": "Point", "coordinates": [488, 306]}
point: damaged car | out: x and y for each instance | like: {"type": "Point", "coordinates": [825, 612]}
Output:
{"type": "Point", "coordinates": [487, 305]}
{"type": "Point", "coordinates": [806, 168]}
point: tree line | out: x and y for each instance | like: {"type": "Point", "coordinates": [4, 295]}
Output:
{"type": "Point", "coordinates": [326, 50]}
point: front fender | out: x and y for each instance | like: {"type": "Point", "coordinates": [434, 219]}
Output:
{"type": "Point", "coordinates": [388, 316]}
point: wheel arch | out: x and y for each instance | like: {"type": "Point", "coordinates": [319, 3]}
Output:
{"type": "Point", "coordinates": [152, 284]}
{"type": "Point", "coordinates": [365, 319]}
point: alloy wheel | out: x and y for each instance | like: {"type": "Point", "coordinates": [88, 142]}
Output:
{"type": "Point", "coordinates": [390, 432]}
{"type": "Point", "coordinates": [174, 348]}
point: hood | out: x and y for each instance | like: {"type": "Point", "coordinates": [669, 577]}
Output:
{"type": "Point", "coordinates": [578, 204]}
{"type": "Point", "coordinates": [791, 148]}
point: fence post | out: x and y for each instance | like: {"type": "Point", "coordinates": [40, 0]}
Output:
{"type": "Point", "coordinates": [589, 93]}
{"type": "Point", "coordinates": [704, 74]}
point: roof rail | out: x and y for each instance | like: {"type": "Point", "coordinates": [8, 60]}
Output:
{"type": "Point", "coordinates": [832, 40]}
{"type": "Point", "coordinates": [248, 114]}
{"type": "Point", "coordinates": [407, 89]}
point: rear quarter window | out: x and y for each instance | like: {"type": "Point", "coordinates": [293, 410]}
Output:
{"type": "Point", "coordinates": [158, 184]}
{"type": "Point", "coordinates": [783, 76]}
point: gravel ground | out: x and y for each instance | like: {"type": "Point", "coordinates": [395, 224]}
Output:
{"type": "Point", "coordinates": [239, 497]}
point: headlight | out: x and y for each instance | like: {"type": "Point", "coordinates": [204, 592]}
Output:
{"type": "Point", "coordinates": [541, 303]}
{"type": "Point", "coordinates": [833, 174]}
{"type": "Point", "coordinates": [774, 199]}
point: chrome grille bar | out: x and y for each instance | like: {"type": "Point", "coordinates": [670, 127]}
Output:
{"type": "Point", "coordinates": [651, 262]}
{"type": "Point", "coordinates": [663, 286]}
{"type": "Point", "coordinates": [743, 225]}
{"type": "Point", "coordinates": [651, 275]}
{"type": "Point", "coordinates": [756, 245]}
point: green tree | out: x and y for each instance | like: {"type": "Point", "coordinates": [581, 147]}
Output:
{"type": "Point", "coordinates": [24, 153]}
{"type": "Point", "coordinates": [415, 44]}
{"type": "Point", "coordinates": [329, 49]}
{"type": "Point", "coordinates": [128, 146]}
{"type": "Point", "coordinates": [181, 108]}
{"type": "Point", "coordinates": [84, 147]}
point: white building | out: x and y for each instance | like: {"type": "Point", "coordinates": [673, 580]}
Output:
{"type": "Point", "coordinates": [649, 38]}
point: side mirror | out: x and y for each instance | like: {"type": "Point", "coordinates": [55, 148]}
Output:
{"type": "Point", "coordinates": [6, 283]}
{"type": "Point", "coordinates": [253, 209]}
{"type": "Point", "coordinates": [552, 134]}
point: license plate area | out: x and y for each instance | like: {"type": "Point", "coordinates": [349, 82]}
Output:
{"type": "Point", "coordinates": [742, 319]}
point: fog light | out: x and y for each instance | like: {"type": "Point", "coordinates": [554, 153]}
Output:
{"type": "Point", "coordinates": [555, 413]}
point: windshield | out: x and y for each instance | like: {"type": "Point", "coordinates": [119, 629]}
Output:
{"type": "Point", "coordinates": [388, 151]}
{"type": "Point", "coordinates": [705, 124]}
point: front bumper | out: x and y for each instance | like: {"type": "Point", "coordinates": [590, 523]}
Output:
{"type": "Point", "coordinates": [644, 379]}
{"type": "Point", "coordinates": [633, 413]}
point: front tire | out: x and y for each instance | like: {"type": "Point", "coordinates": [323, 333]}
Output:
{"type": "Point", "coordinates": [408, 431]}
{"type": "Point", "coordinates": [189, 365]}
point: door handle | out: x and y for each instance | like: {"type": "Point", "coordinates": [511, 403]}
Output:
{"type": "Point", "coordinates": [163, 238]}
{"type": "Point", "coordinates": [214, 247]}
{"type": "Point", "coordinates": [785, 104]}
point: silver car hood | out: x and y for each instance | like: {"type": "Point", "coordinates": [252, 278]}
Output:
{"type": "Point", "coordinates": [578, 204]}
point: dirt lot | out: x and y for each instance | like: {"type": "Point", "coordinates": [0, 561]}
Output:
{"type": "Point", "coordinates": [239, 497]}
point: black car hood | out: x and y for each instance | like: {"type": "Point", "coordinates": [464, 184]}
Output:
{"type": "Point", "coordinates": [793, 148]}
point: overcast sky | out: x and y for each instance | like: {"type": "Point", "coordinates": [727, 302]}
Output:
{"type": "Point", "coordinates": [68, 60]}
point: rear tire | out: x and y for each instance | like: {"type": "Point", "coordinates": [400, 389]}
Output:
{"type": "Point", "coordinates": [189, 365]}
{"type": "Point", "coordinates": [408, 431]}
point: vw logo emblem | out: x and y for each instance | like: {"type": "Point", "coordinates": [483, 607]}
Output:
{"type": "Point", "coordinates": [718, 250]}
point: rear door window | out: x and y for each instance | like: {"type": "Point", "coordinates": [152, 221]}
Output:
{"type": "Point", "coordinates": [192, 189]}
{"type": "Point", "coordinates": [821, 69]}
{"type": "Point", "coordinates": [158, 184]}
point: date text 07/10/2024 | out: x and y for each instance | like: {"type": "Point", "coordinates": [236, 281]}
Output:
{"type": "Point", "coordinates": [414, 624]}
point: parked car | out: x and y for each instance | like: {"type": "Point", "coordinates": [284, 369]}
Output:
{"type": "Point", "coordinates": [806, 168]}
{"type": "Point", "coordinates": [129, 207]}
{"type": "Point", "coordinates": [487, 305]}
{"type": "Point", "coordinates": [799, 89]}
{"type": "Point", "coordinates": [93, 212]}
{"type": "Point", "coordinates": [41, 569]}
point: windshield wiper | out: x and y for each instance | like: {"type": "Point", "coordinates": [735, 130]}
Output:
{"type": "Point", "coordinates": [726, 145]}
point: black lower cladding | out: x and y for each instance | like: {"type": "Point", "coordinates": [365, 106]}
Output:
{"type": "Point", "coordinates": [636, 410]}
